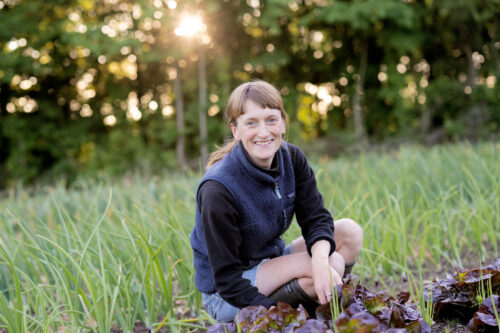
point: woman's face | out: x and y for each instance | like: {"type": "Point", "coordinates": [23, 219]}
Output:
{"type": "Point", "coordinates": [260, 131]}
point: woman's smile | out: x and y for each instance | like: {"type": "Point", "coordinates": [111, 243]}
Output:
{"type": "Point", "coordinates": [263, 143]}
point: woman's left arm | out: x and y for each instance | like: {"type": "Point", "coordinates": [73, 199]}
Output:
{"type": "Point", "coordinates": [324, 276]}
{"type": "Point", "coordinates": [314, 219]}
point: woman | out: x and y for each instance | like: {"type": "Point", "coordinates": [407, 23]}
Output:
{"type": "Point", "coordinates": [246, 201]}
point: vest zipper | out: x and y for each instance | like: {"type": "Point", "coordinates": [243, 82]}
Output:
{"type": "Point", "coordinates": [277, 190]}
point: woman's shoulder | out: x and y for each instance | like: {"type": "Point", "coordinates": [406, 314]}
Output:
{"type": "Point", "coordinates": [213, 191]}
{"type": "Point", "coordinates": [297, 155]}
{"type": "Point", "coordinates": [212, 187]}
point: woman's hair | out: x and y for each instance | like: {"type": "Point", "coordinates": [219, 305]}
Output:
{"type": "Point", "coordinates": [261, 93]}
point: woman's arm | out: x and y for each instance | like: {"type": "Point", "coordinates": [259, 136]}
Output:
{"type": "Point", "coordinates": [223, 238]}
{"type": "Point", "coordinates": [324, 276]}
{"type": "Point", "coordinates": [317, 227]}
{"type": "Point", "coordinates": [314, 219]}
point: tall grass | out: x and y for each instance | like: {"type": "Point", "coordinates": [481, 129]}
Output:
{"type": "Point", "coordinates": [104, 255]}
{"type": "Point", "coordinates": [422, 209]}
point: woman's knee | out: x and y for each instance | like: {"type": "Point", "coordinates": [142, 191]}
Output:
{"type": "Point", "coordinates": [348, 236]}
{"type": "Point", "coordinates": [298, 245]}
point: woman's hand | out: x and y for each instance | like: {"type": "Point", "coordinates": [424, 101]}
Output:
{"type": "Point", "coordinates": [323, 274]}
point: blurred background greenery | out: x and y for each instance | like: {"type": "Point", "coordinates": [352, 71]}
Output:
{"type": "Point", "coordinates": [90, 87]}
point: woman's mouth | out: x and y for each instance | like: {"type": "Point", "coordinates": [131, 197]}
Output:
{"type": "Point", "coordinates": [263, 143]}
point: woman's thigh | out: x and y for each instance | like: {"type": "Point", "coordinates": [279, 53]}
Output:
{"type": "Point", "coordinates": [275, 272]}
{"type": "Point", "coordinates": [348, 238]}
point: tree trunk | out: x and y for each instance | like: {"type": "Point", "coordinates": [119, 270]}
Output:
{"type": "Point", "coordinates": [180, 147]}
{"type": "Point", "coordinates": [202, 112]}
{"type": "Point", "coordinates": [494, 51]}
{"type": "Point", "coordinates": [359, 128]}
{"type": "Point", "coordinates": [475, 116]}
{"type": "Point", "coordinates": [140, 92]}
{"type": "Point", "coordinates": [425, 120]}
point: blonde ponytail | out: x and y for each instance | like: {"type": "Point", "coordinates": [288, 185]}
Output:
{"type": "Point", "coordinates": [219, 154]}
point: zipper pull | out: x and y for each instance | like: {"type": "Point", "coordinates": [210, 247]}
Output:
{"type": "Point", "coordinates": [277, 190]}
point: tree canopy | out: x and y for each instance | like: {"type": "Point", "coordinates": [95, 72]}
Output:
{"type": "Point", "coordinates": [91, 86]}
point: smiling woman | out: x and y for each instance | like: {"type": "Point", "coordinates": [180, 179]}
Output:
{"type": "Point", "coordinates": [247, 199]}
{"type": "Point", "coordinates": [260, 133]}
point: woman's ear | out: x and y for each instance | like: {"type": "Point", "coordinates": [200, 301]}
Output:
{"type": "Point", "coordinates": [234, 129]}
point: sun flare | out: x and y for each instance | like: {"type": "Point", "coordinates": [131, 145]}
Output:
{"type": "Point", "coordinates": [190, 26]}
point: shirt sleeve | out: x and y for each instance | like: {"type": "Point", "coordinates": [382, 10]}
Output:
{"type": "Point", "coordinates": [220, 218]}
{"type": "Point", "coordinates": [314, 219]}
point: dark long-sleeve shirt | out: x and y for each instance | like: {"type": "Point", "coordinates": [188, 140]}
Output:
{"type": "Point", "coordinates": [220, 218]}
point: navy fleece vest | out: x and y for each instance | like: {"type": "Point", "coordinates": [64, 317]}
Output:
{"type": "Point", "coordinates": [266, 207]}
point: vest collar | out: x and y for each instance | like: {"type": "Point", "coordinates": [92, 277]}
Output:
{"type": "Point", "coordinates": [255, 172]}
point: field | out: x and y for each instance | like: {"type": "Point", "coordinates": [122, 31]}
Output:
{"type": "Point", "coordinates": [102, 256]}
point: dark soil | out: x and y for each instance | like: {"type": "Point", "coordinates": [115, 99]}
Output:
{"type": "Point", "coordinates": [139, 327]}
{"type": "Point", "coordinates": [441, 326]}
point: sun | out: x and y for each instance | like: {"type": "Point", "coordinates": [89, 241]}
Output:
{"type": "Point", "coordinates": [190, 26]}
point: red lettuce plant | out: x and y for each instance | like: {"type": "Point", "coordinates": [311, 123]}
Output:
{"type": "Point", "coordinates": [486, 319]}
{"type": "Point", "coordinates": [363, 311]}
{"type": "Point", "coordinates": [460, 296]}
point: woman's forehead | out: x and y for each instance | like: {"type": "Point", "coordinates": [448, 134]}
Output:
{"type": "Point", "coordinates": [252, 109]}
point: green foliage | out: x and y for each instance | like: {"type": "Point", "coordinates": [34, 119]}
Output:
{"type": "Point", "coordinates": [84, 84]}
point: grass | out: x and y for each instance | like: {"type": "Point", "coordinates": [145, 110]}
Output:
{"type": "Point", "coordinates": [103, 255]}
{"type": "Point", "coordinates": [424, 306]}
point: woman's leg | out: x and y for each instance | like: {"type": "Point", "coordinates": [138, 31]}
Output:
{"type": "Point", "coordinates": [276, 272]}
{"type": "Point", "coordinates": [348, 237]}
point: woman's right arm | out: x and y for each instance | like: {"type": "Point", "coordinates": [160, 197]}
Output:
{"type": "Point", "coordinates": [220, 219]}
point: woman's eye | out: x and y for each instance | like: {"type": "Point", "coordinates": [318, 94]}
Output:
{"type": "Point", "coordinates": [272, 120]}
{"type": "Point", "coordinates": [251, 123]}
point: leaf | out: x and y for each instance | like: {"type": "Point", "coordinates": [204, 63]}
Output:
{"type": "Point", "coordinates": [403, 297]}
{"type": "Point", "coordinates": [358, 322]}
{"type": "Point", "coordinates": [485, 319]}
{"type": "Point", "coordinates": [377, 303]}
{"type": "Point", "coordinates": [313, 326]}
{"type": "Point", "coordinates": [456, 297]}
{"type": "Point", "coordinates": [222, 328]}
{"type": "Point", "coordinates": [249, 315]}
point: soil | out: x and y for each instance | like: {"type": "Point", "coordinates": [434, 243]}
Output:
{"type": "Point", "coordinates": [139, 327]}
{"type": "Point", "coordinates": [439, 327]}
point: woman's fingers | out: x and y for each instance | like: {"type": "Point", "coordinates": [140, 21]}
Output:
{"type": "Point", "coordinates": [326, 281]}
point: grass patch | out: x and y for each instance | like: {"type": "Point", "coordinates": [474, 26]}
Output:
{"type": "Point", "coordinates": [98, 256]}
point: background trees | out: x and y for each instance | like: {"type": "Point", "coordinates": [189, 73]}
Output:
{"type": "Point", "coordinates": [92, 86]}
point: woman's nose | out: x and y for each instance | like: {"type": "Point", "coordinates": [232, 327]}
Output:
{"type": "Point", "coordinates": [262, 130]}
